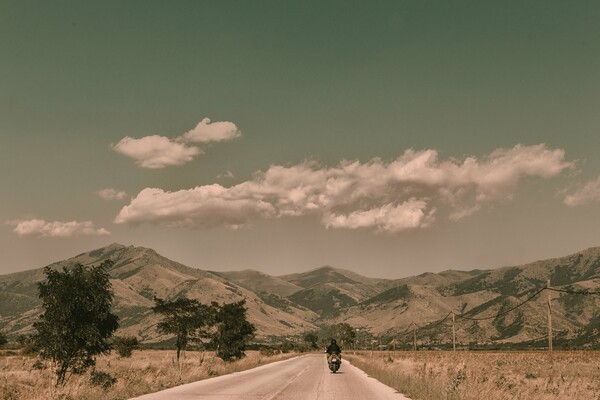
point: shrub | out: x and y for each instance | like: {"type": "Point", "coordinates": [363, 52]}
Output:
{"type": "Point", "coordinates": [102, 379]}
{"type": "Point", "coordinates": [124, 345]}
{"type": "Point", "coordinates": [38, 365]}
{"type": "Point", "coordinates": [267, 351]}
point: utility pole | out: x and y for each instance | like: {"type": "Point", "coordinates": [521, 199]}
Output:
{"type": "Point", "coordinates": [549, 319]}
{"type": "Point", "coordinates": [453, 334]}
{"type": "Point", "coordinates": [414, 338]}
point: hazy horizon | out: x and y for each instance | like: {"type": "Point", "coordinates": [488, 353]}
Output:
{"type": "Point", "coordinates": [389, 139]}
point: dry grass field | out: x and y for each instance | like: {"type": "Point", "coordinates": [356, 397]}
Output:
{"type": "Point", "coordinates": [25, 378]}
{"type": "Point", "coordinates": [429, 375]}
{"type": "Point", "coordinates": [425, 375]}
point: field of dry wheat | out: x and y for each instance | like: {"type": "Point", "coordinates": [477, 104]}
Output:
{"type": "Point", "coordinates": [437, 375]}
{"type": "Point", "coordinates": [25, 377]}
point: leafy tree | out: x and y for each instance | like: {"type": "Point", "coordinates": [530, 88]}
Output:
{"type": "Point", "coordinates": [185, 318]}
{"type": "Point", "coordinates": [345, 333]}
{"type": "Point", "coordinates": [342, 332]}
{"type": "Point", "coordinates": [233, 330]}
{"type": "Point", "coordinates": [3, 339]}
{"type": "Point", "coordinates": [124, 345]}
{"type": "Point", "coordinates": [311, 338]}
{"type": "Point", "coordinates": [77, 320]}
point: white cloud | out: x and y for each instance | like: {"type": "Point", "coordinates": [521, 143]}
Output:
{"type": "Point", "coordinates": [159, 151]}
{"type": "Point", "coordinates": [200, 207]}
{"type": "Point", "coordinates": [111, 194]}
{"type": "Point", "coordinates": [41, 228]}
{"type": "Point", "coordinates": [385, 197]}
{"type": "Point", "coordinates": [156, 151]}
{"type": "Point", "coordinates": [206, 132]}
{"type": "Point", "coordinates": [389, 218]}
{"type": "Point", "coordinates": [589, 193]}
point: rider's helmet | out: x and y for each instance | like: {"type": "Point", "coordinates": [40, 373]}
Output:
{"type": "Point", "coordinates": [332, 341]}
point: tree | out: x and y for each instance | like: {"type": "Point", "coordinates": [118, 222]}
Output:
{"type": "Point", "coordinates": [124, 345]}
{"type": "Point", "coordinates": [77, 320]}
{"type": "Point", "coordinates": [343, 332]}
{"type": "Point", "coordinates": [312, 338]}
{"type": "Point", "coordinates": [233, 330]}
{"type": "Point", "coordinates": [3, 339]}
{"type": "Point", "coordinates": [185, 318]}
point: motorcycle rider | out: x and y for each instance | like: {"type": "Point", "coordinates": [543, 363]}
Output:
{"type": "Point", "coordinates": [333, 348]}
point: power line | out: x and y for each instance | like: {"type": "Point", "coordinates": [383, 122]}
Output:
{"type": "Point", "coordinates": [408, 330]}
{"type": "Point", "coordinates": [585, 292]}
{"type": "Point", "coordinates": [503, 312]}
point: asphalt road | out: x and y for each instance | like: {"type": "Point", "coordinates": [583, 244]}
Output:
{"type": "Point", "coordinates": [301, 378]}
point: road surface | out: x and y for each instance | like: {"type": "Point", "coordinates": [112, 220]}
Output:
{"type": "Point", "coordinates": [301, 378]}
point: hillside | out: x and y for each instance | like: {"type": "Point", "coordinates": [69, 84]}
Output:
{"type": "Point", "coordinates": [480, 295]}
{"type": "Point", "coordinates": [137, 276]}
{"type": "Point", "coordinates": [328, 291]}
{"type": "Point", "coordinates": [257, 282]}
{"type": "Point", "coordinates": [296, 303]}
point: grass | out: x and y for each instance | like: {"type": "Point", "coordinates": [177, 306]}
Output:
{"type": "Point", "coordinates": [429, 375]}
{"type": "Point", "coordinates": [424, 375]}
{"type": "Point", "coordinates": [25, 377]}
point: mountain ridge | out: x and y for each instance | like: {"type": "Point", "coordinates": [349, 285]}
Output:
{"type": "Point", "coordinates": [295, 303]}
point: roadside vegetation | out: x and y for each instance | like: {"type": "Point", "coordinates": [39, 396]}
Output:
{"type": "Point", "coordinates": [76, 328]}
{"type": "Point", "coordinates": [435, 375]}
{"type": "Point", "coordinates": [25, 377]}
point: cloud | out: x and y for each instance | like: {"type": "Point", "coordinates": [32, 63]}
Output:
{"type": "Point", "coordinates": [156, 151]}
{"type": "Point", "coordinates": [589, 193]}
{"type": "Point", "coordinates": [111, 194]}
{"type": "Point", "coordinates": [200, 207]}
{"type": "Point", "coordinates": [388, 218]}
{"type": "Point", "coordinates": [227, 174]}
{"type": "Point", "coordinates": [41, 228]}
{"type": "Point", "coordinates": [393, 197]}
{"type": "Point", "coordinates": [159, 151]}
{"type": "Point", "coordinates": [206, 132]}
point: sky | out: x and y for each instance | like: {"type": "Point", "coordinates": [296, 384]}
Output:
{"type": "Point", "coordinates": [390, 138]}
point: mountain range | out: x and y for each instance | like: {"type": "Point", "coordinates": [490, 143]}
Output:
{"type": "Point", "coordinates": [292, 304]}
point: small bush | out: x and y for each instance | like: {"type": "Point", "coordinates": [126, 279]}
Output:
{"type": "Point", "coordinates": [102, 379]}
{"type": "Point", "coordinates": [3, 339]}
{"type": "Point", "coordinates": [267, 351]}
{"type": "Point", "coordinates": [29, 346]}
{"type": "Point", "coordinates": [38, 364]}
{"type": "Point", "coordinates": [124, 345]}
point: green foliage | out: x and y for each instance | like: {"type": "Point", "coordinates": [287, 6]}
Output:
{"type": "Point", "coordinates": [102, 379]}
{"type": "Point", "coordinates": [3, 339]}
{"type": "Point", "coordinates": [233, 331]}
{"type": "Point", "coordinates": [311, 339]}
{"type": "Point", "coordinates": [276, 301]}
{"type": "Point", "coordinates": [395, 293]}
{"type": "Point", "coordinates": [343, 333]}
{"type": "Point", "coordinates": [508, 325]}
{"type": "Point", "coordinates": [185, 318]}
{"type": "Point", "coordinates": [38, 365]}
{"type": "Point", "coordinates": [77, 320]}
{"type": "Point", "coordinates": [124, 345]}
{"type": "Point", "coordinates": [267, 351]}
{"type": "Point", "coordinates": [28, 345]}
{"type": "Point", "coordinates": [286, 346]}
{"type": "Point", "coordinates": [326, 302]}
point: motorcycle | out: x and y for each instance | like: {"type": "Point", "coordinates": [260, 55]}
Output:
{"type": "Point", "coordinates": [334, 361]}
